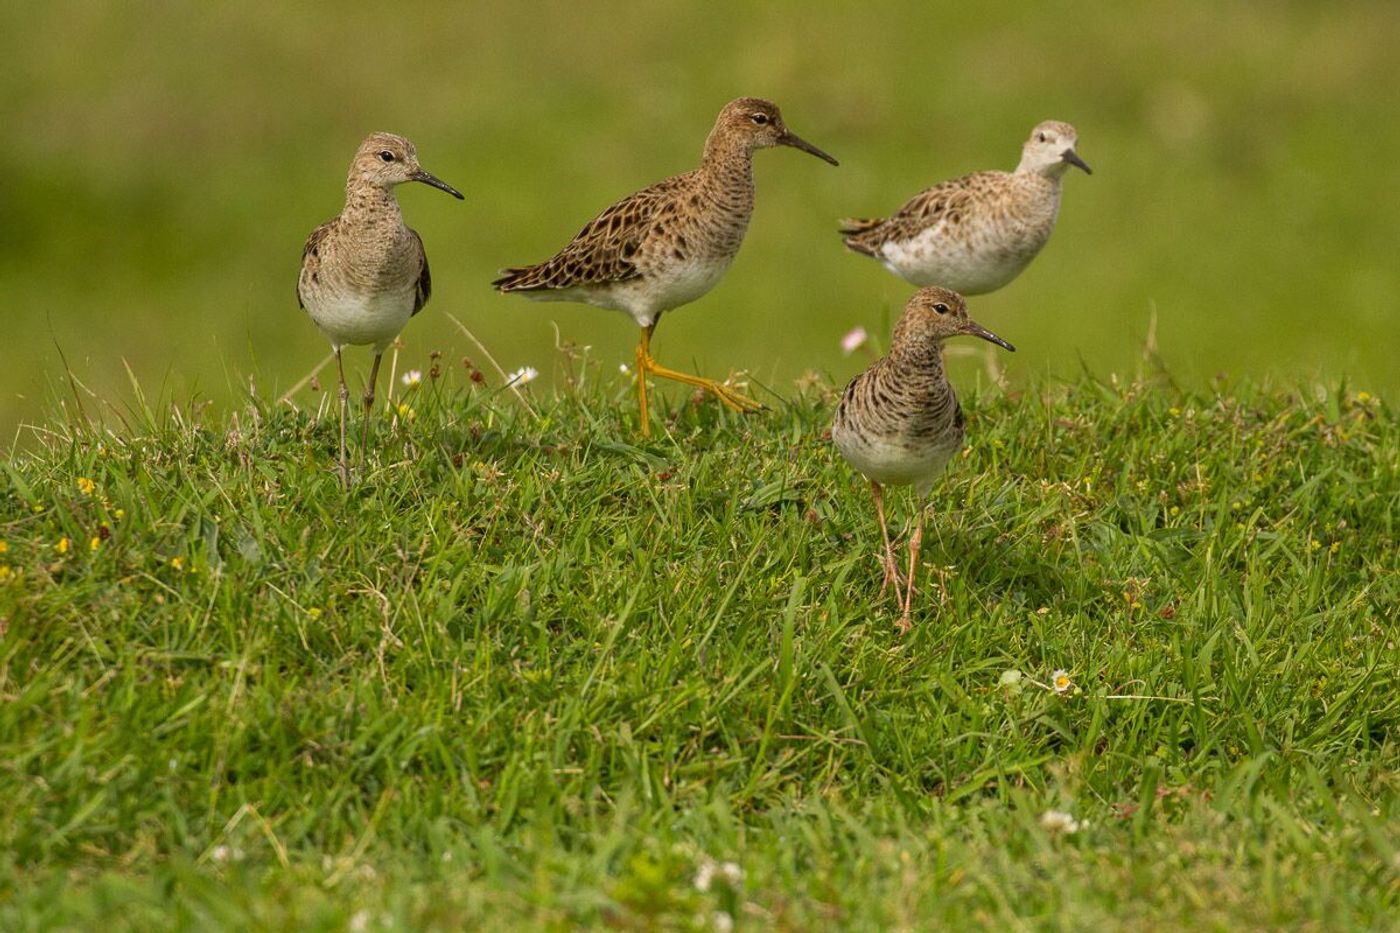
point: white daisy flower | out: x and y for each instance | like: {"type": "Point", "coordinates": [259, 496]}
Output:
{"type": "Point", "coordinates": [412, 377]}
{"type": "Point", "coordinates": [1058, 821]}
{"type": "Point", "coordinates": [522, 375]}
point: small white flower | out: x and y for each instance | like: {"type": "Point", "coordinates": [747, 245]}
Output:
{"type": "Point", "coordinates": [728, 872]}
{"type": "Point", "coordinates": [522, 375]}
{"type": "Point", "coordinates": [624, 369]}
{"type": "Point", "coordinates": [412, 377]}
{"type": "Point", "coordinates": [1011, 682]}
{"type": "Point", "coordinates": [219, 854]}
{"type": "Point", "coordinates": [1058, 821]}
{"type": "Point", "coordinates": [1061, 682]}
{"type": "Point", "coordinates": [705, 875]}
{"type": "Point", "coordinates": [855, 339]}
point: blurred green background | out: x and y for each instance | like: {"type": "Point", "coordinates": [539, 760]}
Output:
{"type": "Point", "coordinates": [165, 161]}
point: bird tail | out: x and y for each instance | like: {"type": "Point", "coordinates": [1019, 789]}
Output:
{"type": "Point", "coordinates": [522, 278]}
{"type": "Point", "coordinates": [853, 230]}
{"type": "Point", "coordinates": [849, 225]}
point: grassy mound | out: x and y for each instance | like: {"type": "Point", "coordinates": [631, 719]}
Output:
{"type": "Point", "coordinates": [531, 670]}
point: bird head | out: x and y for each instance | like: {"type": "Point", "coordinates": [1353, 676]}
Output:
{"type": "Point", "coordinates": [385, 160]}
{"type": "Point", "coordinates": [1050, 150]}
{"type": "Point", "coordinates": [934, 314]}
{"type": "Point", "coordinates": [754, 123]}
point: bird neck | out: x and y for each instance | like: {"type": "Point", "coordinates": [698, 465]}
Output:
{"type": "Point", "coordinates": [725, 177]}
{"type": "Point", "coordinates": [917, 354]}
{"type": "Point", "coordinates": [726, 154]}
{"type": "Point", "coordinates": [371, 205]}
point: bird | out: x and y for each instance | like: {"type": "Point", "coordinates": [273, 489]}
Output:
{"type": "Point", "coordinates": [668, 244]}
{"type": "Point", "coordinates": [899, 422]}
{"type": "Point", "coordinates": [364, 273]}
{"type": "Point", "coordinates": [976, 233]}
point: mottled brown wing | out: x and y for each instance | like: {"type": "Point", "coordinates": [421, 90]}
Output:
{"type": "Point", "coordinates": [943, 202]}
{"type": "Point", "coordinates": [603, 251]}
{"type": "Point", "coordinates": [424, 289]}
{"type": "Point", "coordinates": [311, 259]}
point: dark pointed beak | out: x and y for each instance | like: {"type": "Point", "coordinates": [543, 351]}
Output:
{"type": "Point", "coordinates": [790, 138]}
{"type": "Point", "coordinates": [1072, 157]}
{"type": "Point", "coordinates": [436, 182]}
{"type": "Point", "coordinates": [977, 330]}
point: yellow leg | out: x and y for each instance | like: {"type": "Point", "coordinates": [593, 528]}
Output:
{"type": "Point", "coordinates": [646, 365]}
{"type": "Point", "coordinates": [642, 357]}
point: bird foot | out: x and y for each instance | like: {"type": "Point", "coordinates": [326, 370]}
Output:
{"type": "Point", "coordinates": [727, 397]}
{"type": "Point", "coordinates": [891, 578]}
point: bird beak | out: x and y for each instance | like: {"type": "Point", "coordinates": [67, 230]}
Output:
{"type": "Point", "coordinates": [790, 138]}
{"type": "Point", "coordinates": [977, 330]}
{"type": "Point", "coordinates": [1072, 157]}
{"type": "Point", "coordinates": [436, 182]}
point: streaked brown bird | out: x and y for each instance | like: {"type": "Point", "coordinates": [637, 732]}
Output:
{"type": "Point", "coordinates": [668, 244]}
{"type": "Point", "coordinates": [976, 233]}
{"type": "Point", "coordinates": [899, 422]}
{"type": "Point", "coordinates": [364, 273]}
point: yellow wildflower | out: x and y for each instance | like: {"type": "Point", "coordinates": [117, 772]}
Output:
{"type": "Point", "coordinates": [95, 543]}
{"type": "Point", "coordinates": [86, 486]}
{"type": "Point", "coordinates": [178, 563]}
{"type": "Point", "coordinates": [62, 545]}
{"type": "Point", "coordinates": [314, 613]}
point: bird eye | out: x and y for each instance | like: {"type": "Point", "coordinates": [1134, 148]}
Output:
{"type": "Point", "coordinates": [941, 308]}
{"type": "Point", "coordinates": [760, 118]}
{"type": "Point", "coordinates": [1040, 137]}
{"type": "Point", "coordinates": [386, 155]}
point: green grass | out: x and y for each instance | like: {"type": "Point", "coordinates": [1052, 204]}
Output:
{"type": "Point", "coordinates": [531, 671]}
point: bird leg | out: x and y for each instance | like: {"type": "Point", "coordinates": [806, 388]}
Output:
{"type": "Point", "coordinates": [369, 402]}
{"type": "Point", "coordinates": [916, 541]}
{"type": "Point", "coordinates": [645, 364]}
{"type": "Point", "coordinates": [891, 571]}
{"type": "Point", "coordinates": [642, 357]}
{"type": "Point", "coordinates": [344, 405]}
